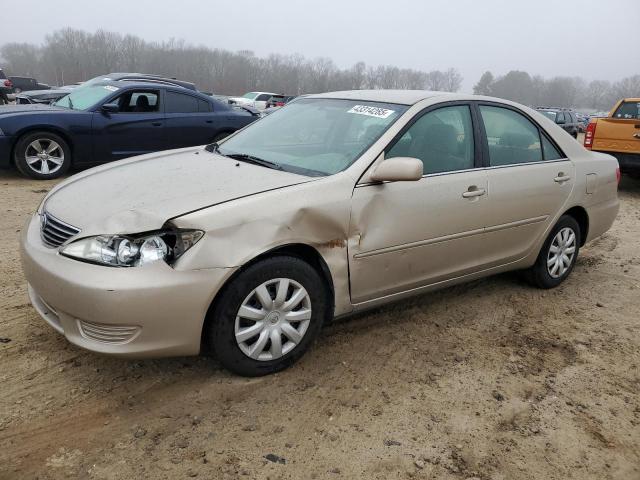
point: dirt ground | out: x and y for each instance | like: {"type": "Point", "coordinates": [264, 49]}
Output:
{"type": "Point", "coordinates": [488, 380]}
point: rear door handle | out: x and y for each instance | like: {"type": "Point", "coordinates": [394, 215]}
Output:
{"type": "Point", "coordinates": [637, 135]}
{"type": "Point", "coordinates": [209, 121]}
{"type": "Point", "coordinates": [474, 192]}
{"type": "Point", "coordinates": [156, 124]}
{"type": "Point", "coordinates": [562, 178]}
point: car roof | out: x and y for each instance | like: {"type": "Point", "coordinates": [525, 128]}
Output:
{"type": "Point", "coordinates": [122, 76]}
{"type": "Point", "coordinates": [402, 97]}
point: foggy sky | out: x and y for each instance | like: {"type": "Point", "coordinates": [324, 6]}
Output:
{"type": "Point", "coordinates": [595, 39]}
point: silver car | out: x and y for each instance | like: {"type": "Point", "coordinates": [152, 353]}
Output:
{"type": "Point", "coordinates": [336, 203]}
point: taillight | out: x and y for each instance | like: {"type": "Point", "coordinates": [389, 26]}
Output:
{"type": "Point", "coordinates": [618, 175]}
{"type": "Point", "coordinates": [7, 83]}
{"type": "Point", "coordinates": [279, 104]}
{"type": "Point", "coordinates": [589, 134]}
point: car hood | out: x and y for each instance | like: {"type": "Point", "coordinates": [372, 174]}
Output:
{"type": "Point", "coordinates": [30, 108]}
{"type": "Point", "coordinates": [35, 93]}
{"type": "Point", "coordinates": [141, 194]}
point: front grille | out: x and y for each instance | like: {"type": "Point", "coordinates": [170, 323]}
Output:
{"type": "Point", "coordinates": [101, 332]}
{"type": "Point", "coordinates": [55, 232]}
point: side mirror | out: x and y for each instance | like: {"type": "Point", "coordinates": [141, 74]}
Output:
{"type": "Point", "coordinates": [397, 169]}
{"type": "Point", "coordinates": [110, 108]}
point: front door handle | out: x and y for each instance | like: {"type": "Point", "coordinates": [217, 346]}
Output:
{"type": "Point", "coordinates": [562, 178]}
{"type": "Point", "coordinates": [474, 191]}
{"type": "Point", "coordinates": [637, 135]}
{"type": "Point", "coordinates": [156, 124]}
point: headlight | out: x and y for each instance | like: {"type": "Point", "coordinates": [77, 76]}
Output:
{"type": "Point", "coordinates": [133, 250]}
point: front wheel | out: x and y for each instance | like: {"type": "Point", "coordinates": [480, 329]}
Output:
{"type": "Point", "coordinates": [558, 254]}
{"type": "Point", "coordinates": [268, 316]}
{"type": "Point", "coordinates": [42, 155]}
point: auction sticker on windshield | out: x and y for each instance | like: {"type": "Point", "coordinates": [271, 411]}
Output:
{"type": "Point", "coordinates": [371, 111]}
{"type": "Point", "coordinates": [111, 88]}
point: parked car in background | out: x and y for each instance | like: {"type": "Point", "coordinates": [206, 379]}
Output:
{"type": "Point", "coordinates": [279, 101]}
{"type": "Point", "coordinates": [618, 134]}
{"type": "Point", "coordinates": [21, 84]}
{"type": "Point", "coordinates": [255, 99]}
{"type": "Point", "coordinates": [146, 77]}
{"type": "Point", "coordinates": [6, 87]}
{"type": "Point", "coordinates": [563, 117]}
{"type": "Point", "coordinates": [42, 96]}
{"type": "Point", "coordinates": [109, 120]}
{"type": "Point", "coordinates": [247, 247]}
{"type": "Point", "coordinates": [583, 121]}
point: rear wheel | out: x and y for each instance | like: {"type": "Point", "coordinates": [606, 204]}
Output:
{"type": "Point", "coordinates": [42, 155]}
{"type": "Point", "coordinates": [268, 316]}
{"type": "Point", "coordinates": [558, 254]}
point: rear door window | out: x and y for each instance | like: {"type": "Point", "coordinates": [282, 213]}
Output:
{"type": "Point", "coordinates": [180, 103]}
{"type": "Point", "coordinates": [263, 98]}
{"type": "Point", "coordinates": [511, 137]}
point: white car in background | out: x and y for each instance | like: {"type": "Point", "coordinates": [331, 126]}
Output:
{"type": "Point", "coordinates": [256, 100]}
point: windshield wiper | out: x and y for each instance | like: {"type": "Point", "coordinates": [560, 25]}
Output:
{"type": "Point", "coordinates": [212, 147]}
{"type": "Point", "coordinates": [243, 157]}
{"type": "Point", "coordinates": [70, 102]}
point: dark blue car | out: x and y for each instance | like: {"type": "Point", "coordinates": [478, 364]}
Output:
{"type": "Point", "coordinates": [109, 120]}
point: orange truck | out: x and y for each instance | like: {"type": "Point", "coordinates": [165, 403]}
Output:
{"type": "Point", "coordinates": [618, 135]}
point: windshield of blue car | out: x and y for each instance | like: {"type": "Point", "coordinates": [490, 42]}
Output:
{"type": "Point", "coordinates": [551, 114]}
{"type": "Point", "coordinates": [86, 96]}
{"type": "Point", "coordinates": [314, 136]}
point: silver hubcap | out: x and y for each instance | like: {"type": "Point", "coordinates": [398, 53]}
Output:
{"type": "Point", "coordinates": [273, 319]}
{"type": "Point", "coordinates": [44, 156]}
{"type": "Point", "coordinates": [561, 252]}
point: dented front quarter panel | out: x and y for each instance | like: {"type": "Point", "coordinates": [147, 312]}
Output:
{"type": "Point", "coordinates": [315, 214]}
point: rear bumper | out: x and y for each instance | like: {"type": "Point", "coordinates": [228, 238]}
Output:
{"type": "Point", "coordinates": [5, 151]}
{"type": "Point", "coordinates": [629, 162]}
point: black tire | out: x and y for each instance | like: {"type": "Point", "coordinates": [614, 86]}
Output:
{"type": "Point", "coordinates": [221, 331]}
{"type": "Point", "coordinates": [539, 275]}
{"type": "Point", "coordinates": [23, 149]}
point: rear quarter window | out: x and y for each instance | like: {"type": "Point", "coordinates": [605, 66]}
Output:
{"type": "Point", "coordinates": [628, 110]}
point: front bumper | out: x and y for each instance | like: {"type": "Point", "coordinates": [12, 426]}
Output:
{"type": "Point", "coordinates": [149, 311]}
{"type": "Point", "coordinates": [6, 143]}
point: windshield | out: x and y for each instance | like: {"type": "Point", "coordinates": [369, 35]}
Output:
{"type": "Point", "coordinates": [250, 95]}
{"type": "Point", "coordinates": [315, 136]}
{"type": "Point", "coordinates": [86, 96]}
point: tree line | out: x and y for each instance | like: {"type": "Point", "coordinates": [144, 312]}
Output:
{"type": "Point", "coordinates": [69, 55]}
{"type": "Point", "coordinates": [558, 91]}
